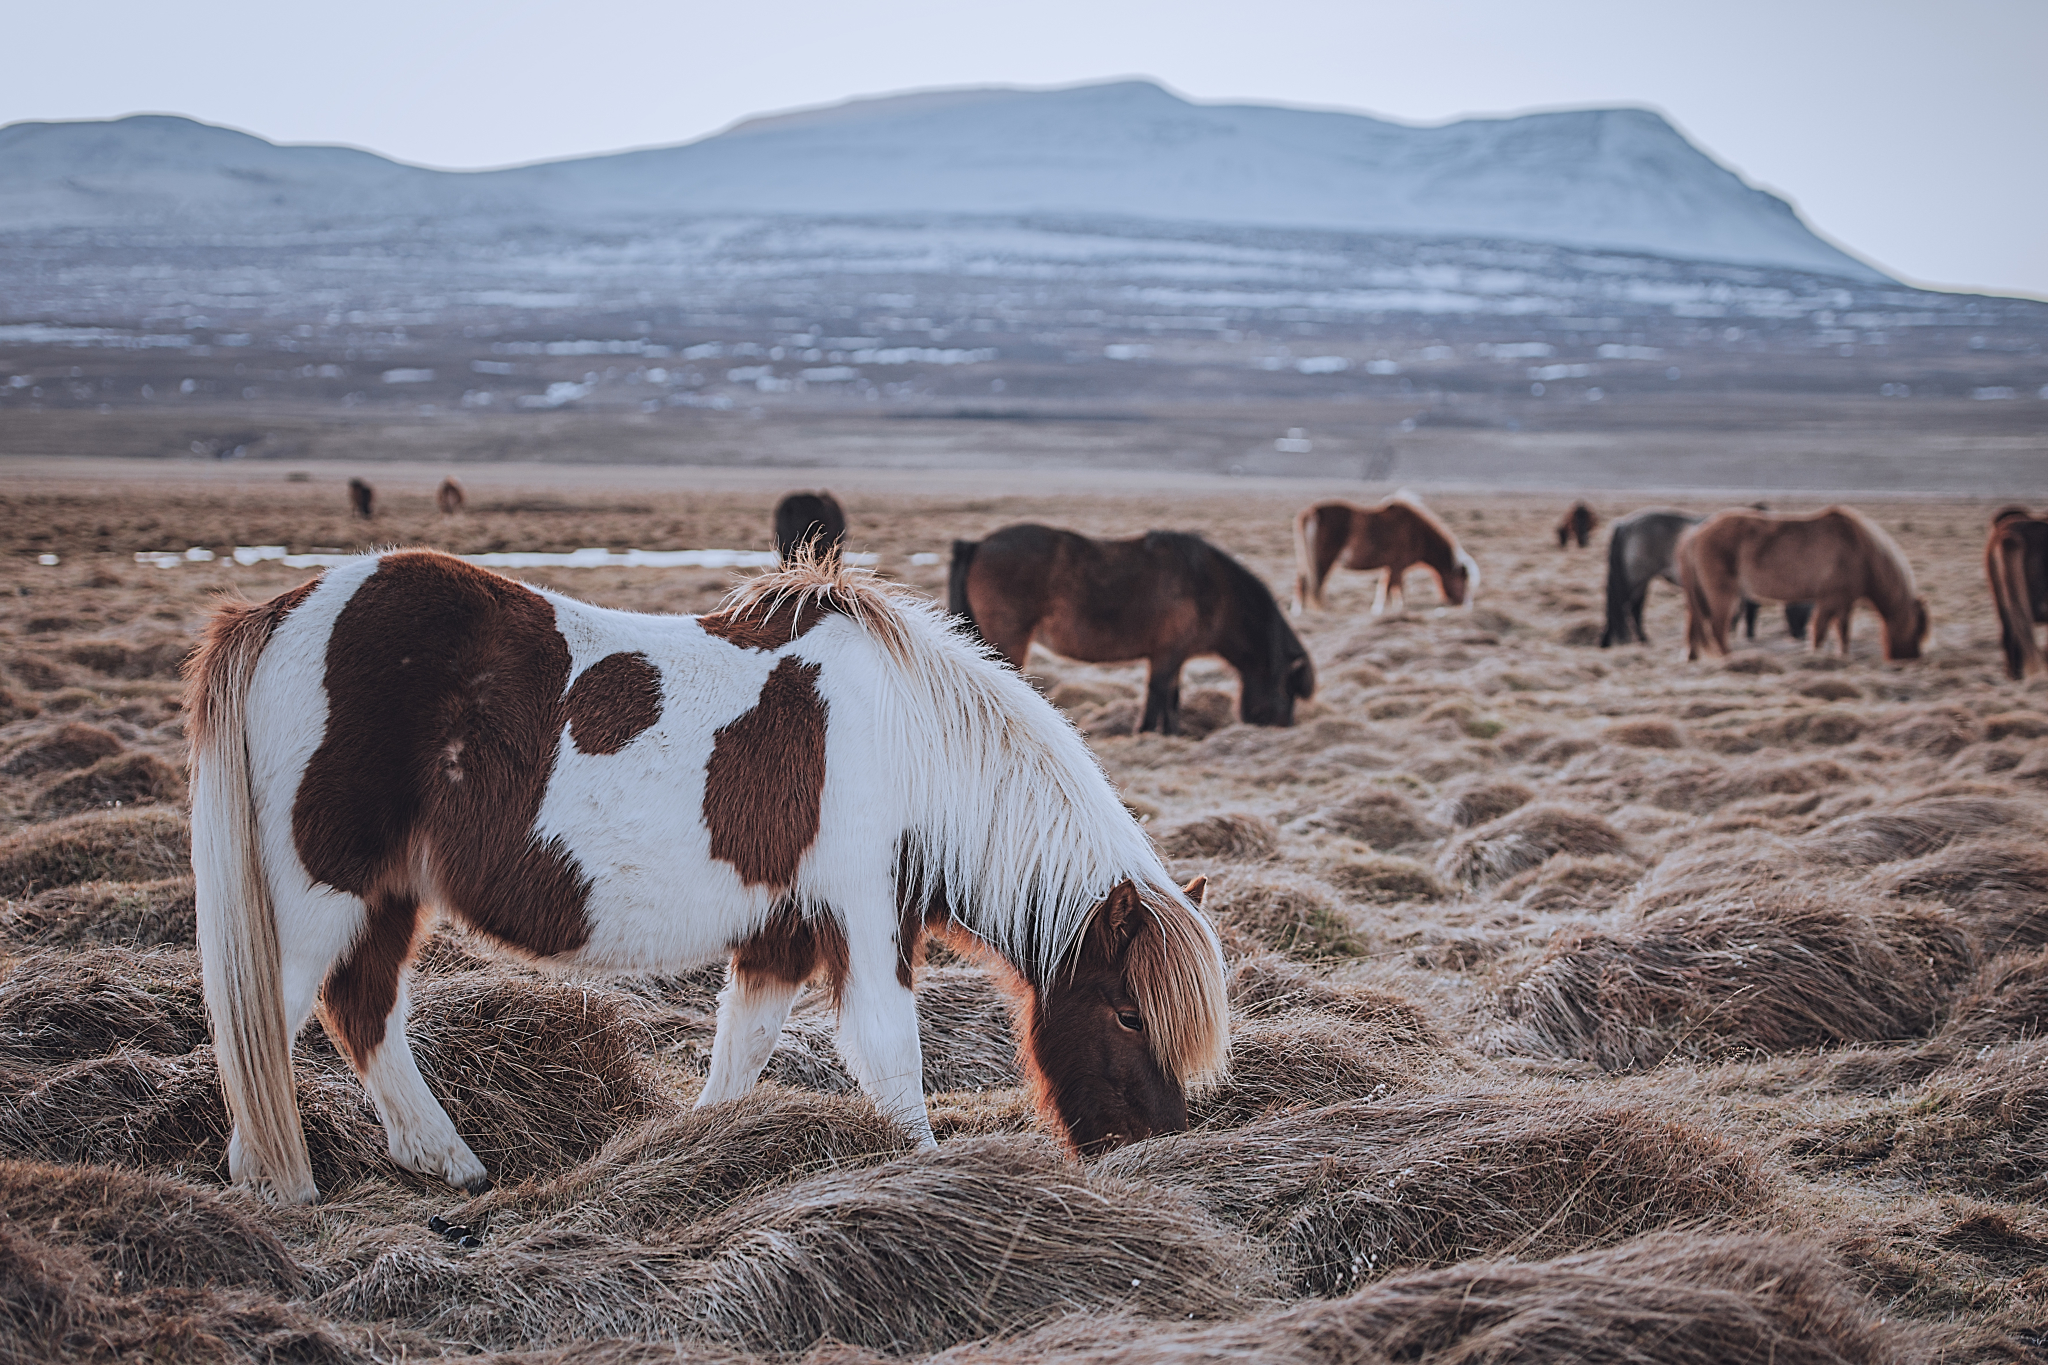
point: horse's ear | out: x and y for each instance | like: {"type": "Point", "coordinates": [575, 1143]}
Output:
{"type": "Point", "coordinates": [1117, 921]}
{"type": "Point", "coordinates": [1194, 889]}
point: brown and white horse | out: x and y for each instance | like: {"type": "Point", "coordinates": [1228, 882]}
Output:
{"type": "Point", "coordinates": [1833, 559]}
{"type": "Point", "coordinates": [806, 782]}
{"type": "Point", "coordinates": [1393, 538]}
{"type": "Point", "coordinates": [2016, 563]}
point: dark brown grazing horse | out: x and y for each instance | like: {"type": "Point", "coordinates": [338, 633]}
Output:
{"type": "Point", "coordinates": [448, 497]}
{"type": "Point", "coordinates": [1393, 537]}
{"type": "Point", "coordinates": [2016, 562]}
{"type": "Point", "coordinates": [1834, 558]}
{"type": "Point", "coordinates": [1579, 522]}
{"type": "Point", "coordinates": [361, 498]}
{"type": "Point", "coordinates": [809, 517]}
{"type": "Point", "coordinates": [1165, 597]}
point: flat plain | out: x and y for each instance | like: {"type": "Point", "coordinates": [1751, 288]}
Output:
{"type": "Point", "coordinates": [1590, 1005]}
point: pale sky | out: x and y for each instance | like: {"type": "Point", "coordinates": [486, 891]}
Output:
{"type": "Point", "coordinates": [1913, 134]}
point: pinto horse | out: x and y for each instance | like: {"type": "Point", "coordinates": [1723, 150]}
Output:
{"type": "Point", "coordinates": [1393, 537]}
{"type": "Point", "coordinates": [1642, 546]}
{"type": "Point", "coordinates": [1834, 558]}
{"type": "Point", "coordinates": [2016, 563]}
{"type": "Point", "coordinates": [1165, 597]}
{"type": "Point", "coordinates": [808, 519]}
{"type": "Point", "coordinates": [806, 781]}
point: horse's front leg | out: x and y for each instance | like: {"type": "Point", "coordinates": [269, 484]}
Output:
{"type": "Point", "coordinates": [751, 1011]}
{"type": "Point", "coordinates": [1162, 696]}
{"type": "Point", "coordinates": [878, 1032]}
{"type": "Point", "coordinates": [1379, 597]}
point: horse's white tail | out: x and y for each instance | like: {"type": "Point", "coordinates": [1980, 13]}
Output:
{"type": "Point", "coordinates": [238, 945]}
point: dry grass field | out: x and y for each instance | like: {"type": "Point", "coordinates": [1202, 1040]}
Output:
{"type": "Point", "coordinates": [1590, 1005]}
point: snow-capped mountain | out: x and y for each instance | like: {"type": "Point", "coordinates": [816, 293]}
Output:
{"type": "Point", "coordinates": [1613, 179]}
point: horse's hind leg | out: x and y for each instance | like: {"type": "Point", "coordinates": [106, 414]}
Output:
{"type": "Point", "coordinates": [366, 1000]}
{"type": "Point", "coordinates": [751, 1011]}
{"type": "Point", "coordinates": [1162, 697]}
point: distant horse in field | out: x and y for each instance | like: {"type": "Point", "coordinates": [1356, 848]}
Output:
{"type": "Point", "coordinates": [807, 782]}
{"type": "Point", "coordinates": [1641, 547]}
{"type": "Point", "coordinates": [809, 518]}
{"type": "Point", "coordinates": [448, 497]}
{"type": "Point", "coordinates": [1834, 558]}
{"type": "Point", "coordinates": [361, 498]}
{"type": "Point", "coordinates": [1165, 597]}
{"type": "Point", "coordinates": [1393, 537]}
{"type": "Point", "coordinates": [1579, 523]}
{"type": "Point", "coordinates": [2016, 562]}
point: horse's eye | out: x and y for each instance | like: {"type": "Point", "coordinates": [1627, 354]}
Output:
{"type": "Point", "coordinates": [1130, 1020]}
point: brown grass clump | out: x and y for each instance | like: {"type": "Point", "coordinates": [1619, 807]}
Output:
{"type": "Point", "coordinates": [1571, 883]}
{"type": "Point", "coordinates": [1529, 837]}
{"type": "Point", "coordinates": [147, 1231]}
{"type": "Point", "coordinates": [2007, 1003]}
{"type": "Point", "coordinates": [1710, 789]}
{"type": "Point", "coordinates": [2016, 725]}
{"type": "Point", "coordinates": [125, 914]}
{"type": "Point", "coordinates": [1719, 865]}
{"type": "Point", "coordinates": [1980, 1127]}
{"type": "Point", "coordinates": [1999, 886]}
{"type": "Point", "coordinates": [1646, 733]}
{"type": "Point", "coordinates": [1014, 1232]}
{"type": "Point", "coordinates": [157, 659]}
{"type": "Point", "coordinates": [1350, 1192]}
{"type": "Point", "coordinates": [47, 1296]}
{"type": "Point", "coordinates": [1379, 818]}
{"type": "Point", "coordinates": [1785, 970]}
{"type": "Point", "coordinates": [121, 846]}
{"type": "Point", "coordinates": [1237, 837]}
{"type": "Point", "coordinates": [123, 780]}
{"type": "Point", "coordinates": [56, 1008]}
{"type": "Point", "coordinates": [1916, 828]}
{"type": "Point", "coordinates": [537, 1075]}
{"type": "Point", "coordinates": [1671, 1298]}
{"type": "Point", "coordinates": [1482, 802]}
{"type": "Point", "coordinates": [14, 706]}
{"type": "Point", "coordinates": [1937, 731]}
{"type": "Point", "coordinates": [1285, 912]}
{"type": "Point", "coordinates": [1384, 878]}
{"type": "Point", "coordinates": [1269, 987]}
{"type": "Point", "coordinates": [1302, 1060]}
{"type": "Point", "coordinates": [74, 745]}
{"type": "Point", "coordinates": [1823, 725]}
{"type": "Point", "coordinates": [964, 1024]}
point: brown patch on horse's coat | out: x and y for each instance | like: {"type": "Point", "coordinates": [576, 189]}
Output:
{"type": "Point", "coordinates": [793, 949]}
{"type": "Point", "coordinates": [444, 710]}
{"type": "Point", "coordinates": [766, 778]}
{"type": "Point", "coordinates": [238, 629]}
{"type": "Point", "coordinates": [785, 621]}
{"type": "Point", "coordinates": [612, 701]}
{"type": "Point", "coordinates": [359, 993]}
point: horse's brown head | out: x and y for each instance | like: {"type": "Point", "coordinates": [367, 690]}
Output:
{"type": "Point", "coordinates": [1908, 642]}
{"type": "Point", "coordinates": [1096, 1058]}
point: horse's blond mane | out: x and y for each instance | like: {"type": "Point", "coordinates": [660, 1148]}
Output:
{"type": "Point", "coordinates": [1013, 824]}
{"type": "Point", "coordinates": [1408, 499]}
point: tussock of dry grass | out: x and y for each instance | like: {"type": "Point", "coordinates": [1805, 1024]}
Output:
{"type": "Point", "coordinates": [1383, 878]}
{"type": "Point", "coordinates": [1015, 1232]}
{"type": "Point", "coordinates": [1303, 1060]}
{"type": "Point", "coordinates": [1286, 912]}
{"type": "Point", "coordinates": [1999, 886]}
{"type": "Point", "coordinates": [1267, 987]}
{"type": "Point", "coordinates": [148, 1231]}
{"type": "Point", "coordinates": [74, 745]}
{"type": "Point", "coordinates": [123, 846]}
{"type": "Point", "coordinates": [1348, 1193]}
{"type": "Point", "coordinates": [56, 1008]}
{"type": "Point", "coordinates": [1782, 970]}
{"type": "Point", "coordinates": [1236, 837]}
{"type": "Point", "coordinates": [1918, 827]}
{"type": "Point", "coordinates": [1568, 883]}
{"type": "Point", "coordinates": [1705, 789]}
{"type": "Point", "coordinates": [1646, 733]}
{"type": "Point", "coordinates": [1671, 1298]}
{"type": "Point", "coordinates": [1483, 801]}
{"type": "Point", "coordinates": [123, 780]}
{"type": "Point", "coordinates": [2009, 1000]}
{"type": "Point", "coordinates": [1529, 837]}
{"type": "Point", "coordinates": [122, 914]}
{"type": "Point", "coordinates": [1719, 866]}
{"type": "Point", "coordinates": [1937, 731]}
{"type": "Point", "coordinates": [1376, 817]}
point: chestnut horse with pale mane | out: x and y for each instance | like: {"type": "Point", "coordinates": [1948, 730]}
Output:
{"type": "Point", "coordinates": [1393, 538]}
{"type": "Point", "coordinates": [2016, 563]}
{"type": "Point", "coordinates": [1833, 559]}
{"type": "Point", "coordinates": [806, 782]}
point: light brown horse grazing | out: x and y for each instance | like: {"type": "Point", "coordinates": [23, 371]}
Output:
{"type": "Point", "coordinates": [1578, 522]}
{"type": "Point", "coordinates": [448, 497]}
{"type": "Point", "coordinates": [2016, 562]}
{"type": "Point", "coordinates": [1393, 537]}
{"type": "Point", "coordinates": [1833, 559]}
